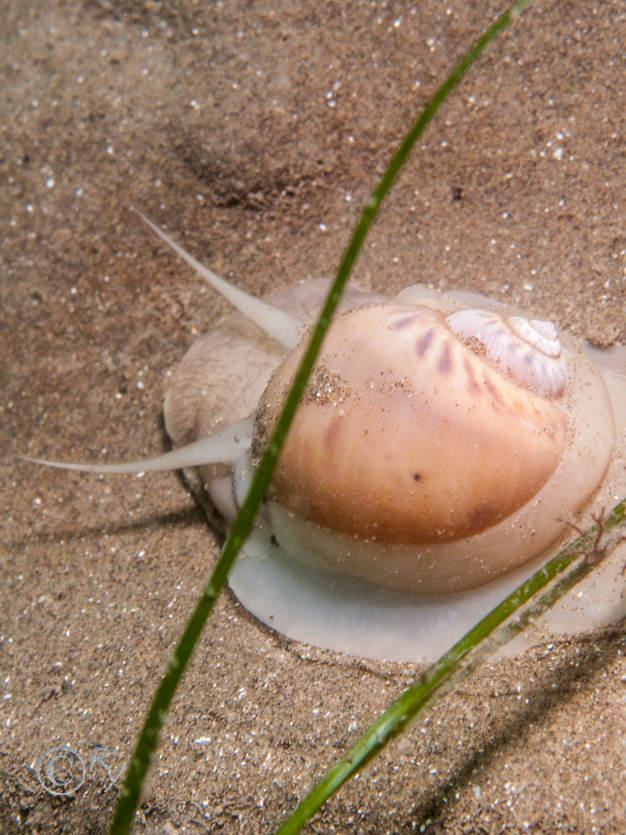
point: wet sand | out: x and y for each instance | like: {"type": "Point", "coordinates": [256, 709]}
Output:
{"type": "Point", "coordinates": [253, 132]}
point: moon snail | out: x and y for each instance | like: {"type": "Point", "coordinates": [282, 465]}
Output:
{"type": "Point", "coordinates": [443, 443]}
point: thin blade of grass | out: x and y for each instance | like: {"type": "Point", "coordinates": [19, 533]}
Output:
{"type": "Point", "coordinates": [581, 556]}
{"type": "Point", "coordinates": [148, 739]}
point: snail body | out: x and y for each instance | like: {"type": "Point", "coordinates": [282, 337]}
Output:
{"type": "Point", "coordinates": [442, 443]}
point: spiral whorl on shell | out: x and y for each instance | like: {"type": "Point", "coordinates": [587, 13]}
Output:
{"type": "Point", "coordinates": [529, 351]}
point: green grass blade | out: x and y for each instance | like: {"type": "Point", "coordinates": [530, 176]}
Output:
{"type": "Point", "coordinates": [148, 739]}
{"type": "Point", "coordinates": [581, 556]}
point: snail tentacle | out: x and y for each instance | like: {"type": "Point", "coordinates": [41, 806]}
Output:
{"type": "Point", "coordinates": [224, 447]}
{"type": "Point", "coordinates": [276, 323]}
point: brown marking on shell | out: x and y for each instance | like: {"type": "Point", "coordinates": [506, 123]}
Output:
{"type": "Point", "coordinates": [424, 341]}
{"type": "Point", "coordinates": [406, 320]}
{"type": "Point", "coordinates": [473, 387]}
{"type": "Point", "coordinates": [445, 359]}
{"type": "Point", "coordinates": [494, 392]}
{"type": "Point", "coordinates": [332, 434]}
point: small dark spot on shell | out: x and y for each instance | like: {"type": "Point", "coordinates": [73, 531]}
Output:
{"type": "Point", "coordinates": [457, 194]}
{"type": "Point", "coordinates": [417, 477]}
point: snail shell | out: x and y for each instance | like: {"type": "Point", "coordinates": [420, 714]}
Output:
{"type": "Point", "coordinates": [415, 463]}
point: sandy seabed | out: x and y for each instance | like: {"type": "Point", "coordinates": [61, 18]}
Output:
{"type": "Point", "coordinates": [253, 132]}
